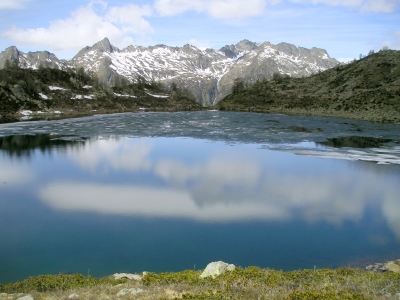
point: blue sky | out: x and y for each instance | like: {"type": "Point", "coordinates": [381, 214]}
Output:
{"type": "Point", "coordinates": [345, 28]}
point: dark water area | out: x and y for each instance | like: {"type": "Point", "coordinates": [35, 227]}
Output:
{"type": "Point", "coordinates": [172, 191]}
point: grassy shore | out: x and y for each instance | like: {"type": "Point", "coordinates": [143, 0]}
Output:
{"type": "Point", "coordinates": [248, 283]}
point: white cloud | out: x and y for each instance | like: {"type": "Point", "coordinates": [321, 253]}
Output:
{"type": "Point", "coordinates": [226, 9]}
{"type": "Point", "coordinates": [223, 9]}
{"type": "Point", "coordinates": [88, 25]}
{"type": "Point", "coordinates": [113, 153]}
{"type": "Point", "coordinates": [13, 4]}
{"type": "Point", "coordinates": [363, 5]}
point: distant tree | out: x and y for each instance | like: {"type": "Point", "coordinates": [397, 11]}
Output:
{"type": "Point", "coordinates": [80, 73]}
{"type": "Point", "coordinates": [277, 77]}
{"type": "Point", "coordinates": [385, 48]}
{"type": "Point", "coordinates": [238, 86]}
{"type": "Point", "coordinates": [174, 87]}
{"type": "Point", "coordinates": [371, 52]}
{"type": "Point", "coordinates": [141, 82]}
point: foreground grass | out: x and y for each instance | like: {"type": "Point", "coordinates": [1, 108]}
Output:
{"type": "Point", "coordinates": [248, 283]}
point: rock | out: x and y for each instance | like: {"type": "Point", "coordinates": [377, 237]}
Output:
{"type": "Point", "coordinates": [127, 275]}
{"type": "Point", "coordinates": [393, 266]}
{"type": "Point", "coordinates": [73, 296]}
{"type": "Point", "coordinates": [216, 268]}
{"type": "Point", "coordinates": [132, 291]}
{"type": "Point", "coordinates": [27, 297]}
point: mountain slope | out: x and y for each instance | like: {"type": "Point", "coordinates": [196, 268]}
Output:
{"type": "Point", "coordinates": [207, 74]}
{"type": "Point", "coordinates": [366, 89]}
{"type": "Point", "coordinates": [45, 91]}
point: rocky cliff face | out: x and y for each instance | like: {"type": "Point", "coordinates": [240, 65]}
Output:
{"type": "Point", "coordinates": [207, 74]}
{"type": "Point", "coordinates": [31, 60]}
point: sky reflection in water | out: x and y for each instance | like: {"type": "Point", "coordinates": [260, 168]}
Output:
{"type": "Point", "coordinates": [217, 184]}
{"type": "Point", "coordinates": [157, 203]}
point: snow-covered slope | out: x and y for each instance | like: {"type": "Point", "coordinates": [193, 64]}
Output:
{"type": "Point", "coordinates": [207, 74]}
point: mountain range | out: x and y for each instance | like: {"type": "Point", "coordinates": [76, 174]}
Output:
{"type": "Point", "coordinates": [207, 74]}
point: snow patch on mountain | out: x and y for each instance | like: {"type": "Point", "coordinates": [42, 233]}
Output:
{"type": "Point", "coordinates": [208, 74]}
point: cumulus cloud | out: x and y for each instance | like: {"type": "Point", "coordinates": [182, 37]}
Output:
{"type": "Point", "coordinates": [363, 5]}
{"type": "Point", "coordinates": [13, 4]}
{"type": "Point", "coordinates": [223, 9]}
{"type": "Point", "coordinates": [226, 9]}
{"type": "Point", "coordinates": [87, 25]}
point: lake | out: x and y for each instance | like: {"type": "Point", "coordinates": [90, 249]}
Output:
{"type": "Point", "coordinates": [162, 192]}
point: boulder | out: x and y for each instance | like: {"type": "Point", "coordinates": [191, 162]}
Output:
{"type": "Point", "coordinates": [393, 266]}
{"type": "Point", "coordinates": [216, 268]}
{"type": "Point", "coordinates": [27, 297]}
{"type": "Point", "coordinates": [130, 292]}
{"type": "Point", "coordinates": [127, 275]}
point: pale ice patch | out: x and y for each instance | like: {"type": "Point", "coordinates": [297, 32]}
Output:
{"type": "Point", "coordinates": [25, 112]}
{"type": "Point", "coordinates": [43, 96]}
{"type": "Point", "coordinates": [158, 96]}
{"type": "Point", "coordinates": [56, 88]}
{"type": "Point", "coordinates": [77, 97]}
{"type": "Point", "coordinates": [383, 155]}
{"type": "Point", "coordinates": [121, 95]}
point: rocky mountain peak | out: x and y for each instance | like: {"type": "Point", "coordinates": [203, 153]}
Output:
{"type": "Point", "coordinates": [104, 46]}
{"type": "Point", "coordinates": [246, 45]}
{"type": "Point", "coordinates": [229, 51]}
{"type": "Point", "coordinates": [206, 74]}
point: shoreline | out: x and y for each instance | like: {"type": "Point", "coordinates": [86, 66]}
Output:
{"type": "Point", "coordinates": [370, 116]}
{"type": "Point", "coordinates": [218, 280]}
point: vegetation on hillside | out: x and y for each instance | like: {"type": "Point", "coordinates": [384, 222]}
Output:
{"type": "Point", "coordinates": [367, 89]}
{"type": "Point", "coordinates": [248, 283]}
{"type": "Point", "coordinates": [47, 90]}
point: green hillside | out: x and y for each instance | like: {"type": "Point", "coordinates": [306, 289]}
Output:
{"type": "Point", "coordinates": [367, 89]}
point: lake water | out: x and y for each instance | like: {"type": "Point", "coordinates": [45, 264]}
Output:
{"type": "Point", "coordinates": [171, 191]}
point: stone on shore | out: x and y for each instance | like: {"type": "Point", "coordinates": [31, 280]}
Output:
{"type": "Point", "coordinates": [393, 266]}
{"type": "Point", "coordinates": [216, 268]}
{"type": "Point", "coordinates": [128, 276]}
{"type": "Point", "coordinates": [27, 297]}
{"type": "Point", "coordinates": [130, 292]}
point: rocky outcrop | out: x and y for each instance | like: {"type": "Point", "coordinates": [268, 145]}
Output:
{"type": "Point", "coordinates": [390, 266]}
{"type": "Point", "coordinates": [31, 60]}
{"type": "Point", "coordinates": [217, 268]}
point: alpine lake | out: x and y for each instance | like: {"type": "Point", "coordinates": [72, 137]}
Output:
{"type": "Point", "coordinates": [161, 192]}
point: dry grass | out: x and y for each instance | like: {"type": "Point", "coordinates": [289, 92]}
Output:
{"type": "Point", "coordinates": [249, 283]}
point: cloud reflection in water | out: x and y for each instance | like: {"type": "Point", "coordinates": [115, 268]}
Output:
{"type": "Point", "coordinates": [239, 185]}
